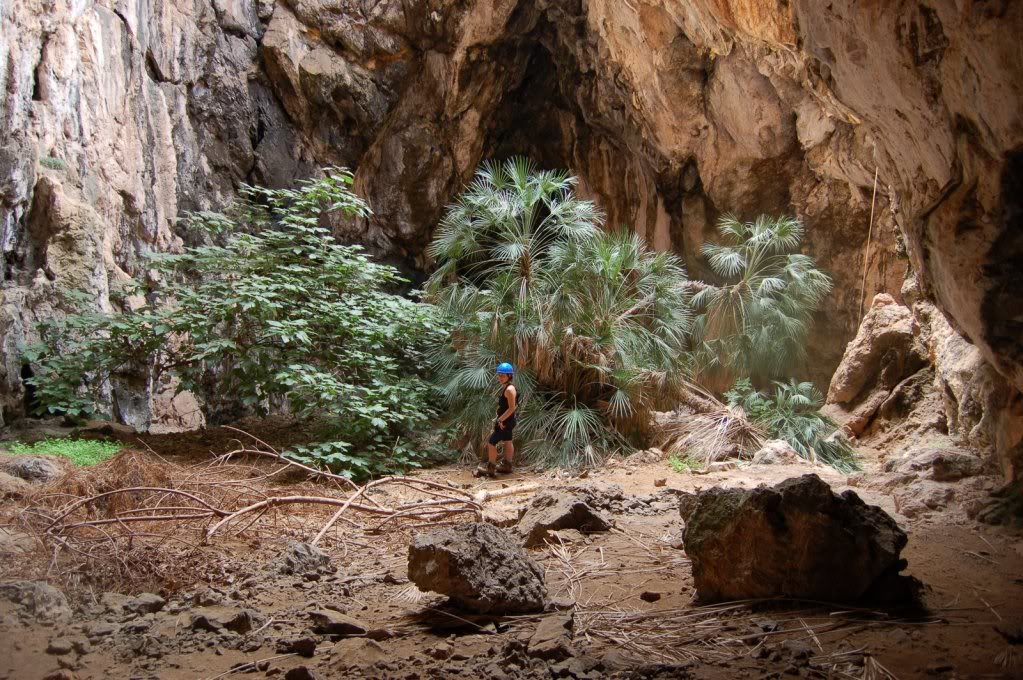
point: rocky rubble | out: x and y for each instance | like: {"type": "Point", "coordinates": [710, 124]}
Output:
{"type": "Point", "coordinates": [480, 567]}
{"type": "Point", "coordinates": [797, 539]}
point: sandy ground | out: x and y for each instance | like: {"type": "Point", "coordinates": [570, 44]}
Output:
{"type": "Point", "coordinates": [973, 574]}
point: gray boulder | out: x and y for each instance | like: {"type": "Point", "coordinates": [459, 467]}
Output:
{"type": "Point", "coordinates": [38, 599]}
{"type": "Point", "coordinates": [480, 567]}
{"type": "Point", "coordinates": [797, 539]}
{"type": "Point", "coordinates": [37, 469]}
{"type": "Point", "coordinates": [551, 512]}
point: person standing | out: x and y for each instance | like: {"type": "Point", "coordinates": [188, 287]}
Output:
{"type": "Point", "coordinates": [504, 425]}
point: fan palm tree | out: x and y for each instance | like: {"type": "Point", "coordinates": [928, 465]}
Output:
{"type": "Point", "coordinates": [756, 323]}
{"type": "Point", "coordinates": [595, 322]}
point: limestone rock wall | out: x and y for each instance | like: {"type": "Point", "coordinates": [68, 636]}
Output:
{"type": "Point", "coordinates": [130, 112]}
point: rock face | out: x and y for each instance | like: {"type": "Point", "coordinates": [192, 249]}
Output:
{"type": "Point", "coordinates": [480, 567]}
{"type": "Point", "coordinates": [119, 117]}
{"type": "Point", "coordinates": [797, 539]}
{"type": "Point", "coordinates": [909, 378]}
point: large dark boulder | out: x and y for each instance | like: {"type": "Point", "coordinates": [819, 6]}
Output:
{"type": "Point", "coordinates": [797, 539]}
{"type": "Point", "coordinates": [480, 567]}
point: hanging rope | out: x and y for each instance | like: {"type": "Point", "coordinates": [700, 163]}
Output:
{"type": "Point", "coordinates": [866, 251]}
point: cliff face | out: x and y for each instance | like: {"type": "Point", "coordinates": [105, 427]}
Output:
{"type": "Point", "coordinates": [119, 115]}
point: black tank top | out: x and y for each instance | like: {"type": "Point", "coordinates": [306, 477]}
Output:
{"type": "Point", "coordinates": [502, 403]}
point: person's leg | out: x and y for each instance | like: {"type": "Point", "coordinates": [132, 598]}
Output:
{"type": "Point", "coordinates": [492, 453]}
{"type": "Point", "coordinates": [509, 450]}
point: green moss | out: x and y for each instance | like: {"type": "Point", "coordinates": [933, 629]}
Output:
{"type": "Point", "coordinates": [79, 451]}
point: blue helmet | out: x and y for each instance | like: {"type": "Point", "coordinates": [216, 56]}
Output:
{"type": "Point", "coordinates": [505, 368]}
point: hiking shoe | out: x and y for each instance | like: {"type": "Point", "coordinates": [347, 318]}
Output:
{"type": "Point", "coordinates": [504, 467]}
{"type": "Point", "coordinates": [485, 470]}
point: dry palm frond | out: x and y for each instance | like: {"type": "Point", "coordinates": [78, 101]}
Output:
{"type": "Point", "coordinates": [725, 432]}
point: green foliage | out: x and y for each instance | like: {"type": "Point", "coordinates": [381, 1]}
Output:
{"type": "Point", "coordinates": [53, 163]}
{"type": "Point", "coordinates": [275, 315]}
{"type": "Point", "coordinates": [682, 464]}
{"type": "Point", "coordinates": [755, 325]}
{"type": "Point", "coordinates": [595, 323]}
{"type": "Point", "coordinates": [80, 451]}
{"type": "Point", "coordinates": [792, 414]}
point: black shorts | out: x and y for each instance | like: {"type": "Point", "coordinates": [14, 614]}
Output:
{"type": "Point", "coordinates": [502, 434]}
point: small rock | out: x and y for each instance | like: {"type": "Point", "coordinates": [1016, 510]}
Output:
{"type": "Point", "coordinates": [99, 629]}
{"type": "Point", "coordinates": [300, 673]}
{"type": "Point", "coordinates": [62, 674]}
{"type": "Point", "coordinates": [303, 646]}
{"type": "Point", "coordinates": [649, 596]}
{"type": "Point", "coordinates": [59, 647]}
{"type": "Point", "coordinates": [146, 603]}
{"type": "Point", "coordinates": [114, 602]}
{"type": "Point", "coordinates": [330, 622]}
{"type": "Point", "coordinates": [797, 649]}
{"type": "Point", "coordinates": [440, 651]}
{"type": "Point", "coordinates": [661, 482]}
{"type": "Point", "coordinates": [552, 639]}
{"type": "Point", "coordinates": [302, 558]}
{"type": "Point", "coordinates": [722, 466]}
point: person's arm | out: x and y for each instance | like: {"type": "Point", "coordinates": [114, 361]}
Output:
{"type": "Point", "coordinates": [510, 394]}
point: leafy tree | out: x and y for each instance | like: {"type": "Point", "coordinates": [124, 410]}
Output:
{"type": "Point", "coordinates": [755, 324]}
{"type": "Point", "coordinates": [792, 414]}
{"type": "Point", "coordinates": [277, 316]}
{"type": "Point", "coordinates": [595, 323]}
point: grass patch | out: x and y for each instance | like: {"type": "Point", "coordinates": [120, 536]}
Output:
{"type": "Point", "coordinates": [686, 464]}
{"type": "Point", "coordinates": [80, 451]}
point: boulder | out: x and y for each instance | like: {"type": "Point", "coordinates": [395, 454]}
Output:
{"type": "Point", "coordinates": [12, 487]}
{"type": "Point", "coordinates": [776, 452]}
{"type": "Point", "coordinates": [883, 349]}
{"type": "Point", "coordinates": [553, 511]}
{"type": "Point", "coordinates": [36, 469]}
{"type": "Point", "coordinates": [38, 599]}
{"type": "Point", "coordinates": [941, 464]}
{"type": "Point", "coordinates": [480, 567]}
{"type": "Point", "coordinates": [797, 539]}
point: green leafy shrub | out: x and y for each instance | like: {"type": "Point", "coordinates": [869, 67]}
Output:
{"type": "Point", "coordinates": [755, 324]}
{"type": "Point", "coordinates": [595, 323]}
{"type": "Point", "coordinates": [792, 414]}
{"type": "Point", "coordinates": [276, 315]}
{"type": "Point", "coordinates": [53, 163]}
{"type": "Point", "coordinates": [682, 464]}
{"type": "Point", "coordinates": [79, 451]}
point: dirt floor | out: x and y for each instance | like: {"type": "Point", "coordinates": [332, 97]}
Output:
{"type": "Point", "coordinates": [225, 609]}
